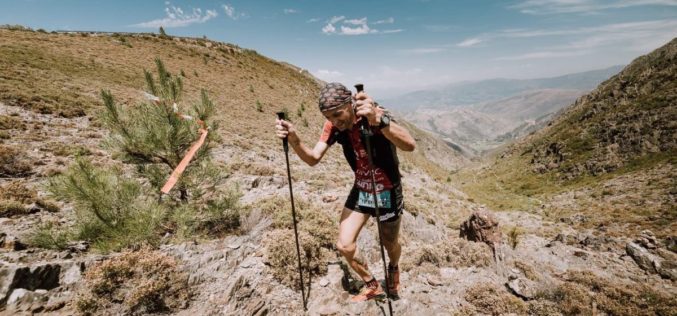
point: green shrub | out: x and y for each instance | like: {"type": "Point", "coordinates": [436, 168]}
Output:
{"type": "Point", "coordinates": [111, 211]}
{"type": "Point", "coordinates": [49, 236]}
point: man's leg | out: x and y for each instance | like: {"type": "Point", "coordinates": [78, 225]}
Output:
{"type": "Point", "coordinates": [350, 226]}
{"type": "Point", "coordinates": [390, 231]}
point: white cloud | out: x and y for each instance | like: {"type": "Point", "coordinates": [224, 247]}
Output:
{"type": "Point", "coordinates": [313, 20]}
{"type": "Point", "coordinates": [545, 55]}
{"type": "Point", "coordinates": [329, 29]}
{"type": "Point", "coordinates": [470, 42]}
{"type": "Point", "coordinates": [231, 13]}
{"type": "Point", "coordinates": [389, 20]}
{"type": "Point", "coordinates": [328, 75]}
{"type": "Point", "coordinates": [354, 26]}
{"type": "Point", "coordinates": [362, 21]}
{"type": "Point", "coordinates": [539, 7]}
{"type": "Point", "coordinates": [290, 11]}
{"type": "Point", "coordinates": [176, 17]}
{"type": "Point", "coordinates": [336, 19]}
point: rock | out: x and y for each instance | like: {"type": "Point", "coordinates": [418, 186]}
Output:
{"type": "Point", "coordinates": [647, 239]}
{"type": "Point", "coordinates": [482, 226]}
{"type": "Point", "coordinates": [25, 300]}
{"type": "Point", "coordinates": [329, 198]}
{"type": "Point", "coordinates": [72, 274]}
{"type": "Point", "coordinates": [522, 288]}
{"type": "Point", "coordinates": [11, 242]}
{"type": "Point", "coordinates": [574, 219]}
{"type": "Point", "coordinates": [643, 258]}
{"type": "Point", "coordinates": [78, 246]}
{"type": "Point", "coordinates": [324, 282]}
{"type": "Point", "coordinates": [44, 276]}
{"type": "Point", "coordinates": [434, 281]}
{"type": "Point", "coordinates": [671, 243]}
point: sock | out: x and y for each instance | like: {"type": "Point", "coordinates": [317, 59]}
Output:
{"type": "Point", "coordinates": [372, 283]}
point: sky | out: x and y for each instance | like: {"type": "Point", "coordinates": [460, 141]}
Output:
{"type": "Point", "coordinates": [394, 46]}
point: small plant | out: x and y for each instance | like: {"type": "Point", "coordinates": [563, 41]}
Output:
{"type": "Point", "coordinates": [259, 106]}
{"type": "Point", "coordinates": [162, 32]}
{"type": "Point", "coordinates": [514, 236]}
{"type": "Point", "coordinates": [49, 236]}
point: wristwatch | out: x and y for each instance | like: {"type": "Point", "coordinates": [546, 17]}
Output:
{"type": "Point", "coordinates": [385, 121]}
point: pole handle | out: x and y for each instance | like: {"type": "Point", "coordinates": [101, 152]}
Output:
{"type": "Point", "coordinates": [285, 141]}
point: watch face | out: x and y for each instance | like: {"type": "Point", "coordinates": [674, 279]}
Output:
{"type": "Point", "coordinates": [385, 121]}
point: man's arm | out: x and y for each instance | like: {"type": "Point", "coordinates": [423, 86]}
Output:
{"type": "Point", "coordinates": [395, 133]}
{"type": "Point", "coordinates": [399, 136]}
{"type": "Point", "coordinates": [308, 155]}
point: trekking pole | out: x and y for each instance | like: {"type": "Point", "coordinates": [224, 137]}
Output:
{"type": "Point", "coordinates": [365, 129]}
{"type": "Point", "coordinates": [285, 144]}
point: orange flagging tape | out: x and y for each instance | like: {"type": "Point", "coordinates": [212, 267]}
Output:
{"type": "Point", "coordinates": [184, 162]}
{"type": "Point", "coordinates": [176, 173]}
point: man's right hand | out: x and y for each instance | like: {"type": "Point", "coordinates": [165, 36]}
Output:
{"type": "Point", "coordinates": [286, 129]}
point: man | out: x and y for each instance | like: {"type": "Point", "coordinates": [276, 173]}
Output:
{"type": "Point", "coordinates": [345, 114]}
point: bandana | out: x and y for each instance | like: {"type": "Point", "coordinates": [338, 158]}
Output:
{"type": "Point", "coordinates": [334, 95]}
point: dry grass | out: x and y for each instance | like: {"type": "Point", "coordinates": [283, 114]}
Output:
{"type": "Point", "coordinates": [488, 299]}
{"type": "Point", "coordinates": [457, 253]}
{"type": "Point", "coordinates": [583, 288]}
{"type": "Point", "coordinates": [9, 122]}
{"type": "Point", "coordinates": [12, 163]}
{"type": "Point", "coordinates": [135, 283]}
{"type": "Point", "coordinates": [282, 258]}
{"type": "Point", "coordinates": [311, 218]}
{"type": "Point", "coordinates": [17, 191]}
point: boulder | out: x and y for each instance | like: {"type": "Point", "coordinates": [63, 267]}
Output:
{"type": "Point", "coordinates": [522, 288]}
{"type": "Point", "coordinates": [482, 226]}
{"type": "Point", "coordinates": [643, 257]}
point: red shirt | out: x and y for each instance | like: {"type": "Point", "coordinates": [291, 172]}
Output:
{"type": "Point", "coordinates": [362, 171]}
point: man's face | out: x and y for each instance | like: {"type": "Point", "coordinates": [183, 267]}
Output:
{"type": "Point", "coordinates": [342, 117]}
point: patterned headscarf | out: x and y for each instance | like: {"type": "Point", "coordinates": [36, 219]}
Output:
{"type": "Point", "coordinates": [334, 95]}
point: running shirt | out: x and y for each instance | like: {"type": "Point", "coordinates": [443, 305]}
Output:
{"type": "Point", "coordinates": [331, 134]}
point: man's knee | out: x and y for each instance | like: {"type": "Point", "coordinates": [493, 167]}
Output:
{"type": "Point", "coordinates": [345, 248]}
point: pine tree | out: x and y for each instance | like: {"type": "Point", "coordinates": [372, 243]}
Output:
{"type": "Point", "coordinates": [155, 135]}
{"type": "Point", "coordinates": [162, 32]}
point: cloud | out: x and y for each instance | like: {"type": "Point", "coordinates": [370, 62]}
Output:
{"type": "Point", "coordinates": [290, 11]}
{"type": "Point", "coordinates": [231, 13]}
{"type": "Point", "coordinates": [355, 26]}
{"type": "Point", "coordinates": [389, 20]}
{"type": "Point", "coordinates": [176, 17]}
{"type": "Point", "coordinates": [541, 7]}
{"type": "Point", "coordinates": [633, 36]}
{"type": "Point", "coordinates": [313, 20]}
{"type": "Point", "coordinates": [470, 42]}
{"type": "Point", "coordinates": [328, 75]}
{"type": "Point", "coordinates": [545, 55]}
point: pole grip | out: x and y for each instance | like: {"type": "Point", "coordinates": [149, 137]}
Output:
{"type": "Point", "coordinates": [285, 141]}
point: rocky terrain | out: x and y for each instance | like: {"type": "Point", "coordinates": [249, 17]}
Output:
{"type": "Point", "coordinates": [551, 259]}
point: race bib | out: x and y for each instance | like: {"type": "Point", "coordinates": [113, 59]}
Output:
{"type": "Point", "coordinates": [366, 199]}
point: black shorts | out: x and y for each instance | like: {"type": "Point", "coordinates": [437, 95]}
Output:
{"type": "Point", "coordinates": [390, 214]}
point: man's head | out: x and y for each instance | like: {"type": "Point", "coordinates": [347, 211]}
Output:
{"type": "Point", "coordinates": [336, 105]}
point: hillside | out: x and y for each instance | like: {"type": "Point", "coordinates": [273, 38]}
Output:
{"type": "Point", "coordinates": [229, 250]}
{"type": "Point", "coordinates": [612, 150]}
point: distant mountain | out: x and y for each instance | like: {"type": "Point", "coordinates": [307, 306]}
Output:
{"type": "Point", "coordinates": [483, 115]}
{"type": "Point", "coordinates": [475, 92]}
